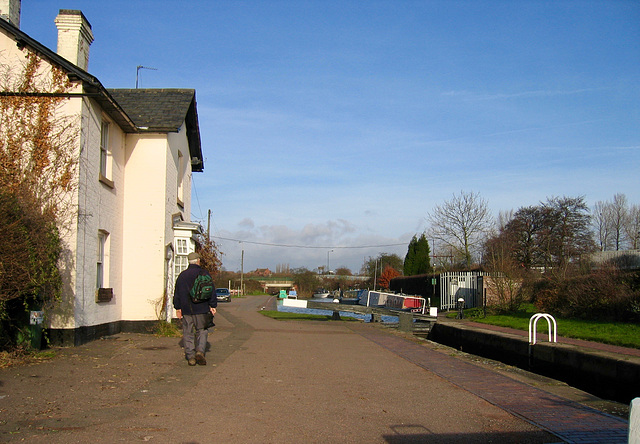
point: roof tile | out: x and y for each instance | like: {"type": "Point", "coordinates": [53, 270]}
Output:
{"type": "Point", "coordinates": [155, 109]}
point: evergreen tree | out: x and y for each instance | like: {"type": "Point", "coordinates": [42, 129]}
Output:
{"type": "Point", "coordinates": [409, 259]}
{"type": "Point", "coordinates": [423, 256]}
{"type": "Point", "coordinates": [417, 260]}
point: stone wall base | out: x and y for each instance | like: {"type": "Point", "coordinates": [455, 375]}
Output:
{"type": "Point", "coordinates": [82, 335]}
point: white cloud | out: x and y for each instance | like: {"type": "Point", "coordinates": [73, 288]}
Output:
{"type": "Point", "coordinates": [340, 241]}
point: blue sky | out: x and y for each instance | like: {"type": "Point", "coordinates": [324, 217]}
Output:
{"type": "Point", "coordinates": [337, 125]}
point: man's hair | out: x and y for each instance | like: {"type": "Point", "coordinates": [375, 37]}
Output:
{"type": "Point", "coordinates": [194, 261]}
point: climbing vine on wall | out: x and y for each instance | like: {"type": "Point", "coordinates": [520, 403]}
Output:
{"type": "Point", "coordinates": [38, 160]}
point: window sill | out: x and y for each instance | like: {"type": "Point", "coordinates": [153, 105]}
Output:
{"type": "Point", "coordinates": [106, 181]}
{"type": "Point", "coordinates": [180, 204]}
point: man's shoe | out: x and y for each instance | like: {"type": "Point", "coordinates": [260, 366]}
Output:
{"type": "Point", "coordinates": [200, 359]}
{"type": "Point", "coordinates": [192, 361]}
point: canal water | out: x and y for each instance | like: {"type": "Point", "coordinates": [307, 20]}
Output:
{"type": "Point", "coordinates": [329, 312]}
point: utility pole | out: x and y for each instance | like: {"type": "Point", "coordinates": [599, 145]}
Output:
{"type": "Point", "coordinates": [209, 226]}
{"type": "Point", "coordinates": [242, 273]}
{"type": "Point", "coordinates": [375, 273]}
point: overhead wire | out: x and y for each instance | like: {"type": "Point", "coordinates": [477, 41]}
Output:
{"type": "Point", "coordinates": [195, 189]}
{"type": "Point", "coordinates": [318, 247]}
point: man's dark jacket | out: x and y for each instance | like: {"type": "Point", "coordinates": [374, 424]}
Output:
{"type": "Point", "coordinates": [184, 283]}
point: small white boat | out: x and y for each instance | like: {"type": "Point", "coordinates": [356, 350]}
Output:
{"type": "Point", "coordinates": [321, 293]}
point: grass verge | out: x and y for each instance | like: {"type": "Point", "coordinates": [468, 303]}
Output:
{"type": "Point", "coordinates": [614, 333]}
{"type": "Point", "coordinates": [167, 330]}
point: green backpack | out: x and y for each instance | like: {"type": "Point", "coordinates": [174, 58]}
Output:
{"type": "Point", "coordinates": [202, 289]}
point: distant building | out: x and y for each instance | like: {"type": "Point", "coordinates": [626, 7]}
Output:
{"type": "Point", "coordinates": [262, 272]}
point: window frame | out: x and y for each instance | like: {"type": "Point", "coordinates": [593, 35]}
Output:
{"type": "Point", "coordinates": [181, 261]}
{"type": "Point", "coordinates": [181, 176]}
{"type": "Point", "coordinates": [105, 170]}
{"type": "Point", "coordinates": [102, 275]}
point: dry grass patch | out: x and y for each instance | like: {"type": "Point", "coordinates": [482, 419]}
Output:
{"type": "Point", "coordinates": [21, 356]}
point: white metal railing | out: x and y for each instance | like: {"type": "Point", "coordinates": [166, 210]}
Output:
{"type": "Point", "coordinates": [533, 330]}
{"type": "Point", "coordinates": [461, 284]}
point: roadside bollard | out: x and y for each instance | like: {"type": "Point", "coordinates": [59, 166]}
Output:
{"type": "Point", "coordinates": [35, 328]}
{"type": "Point", "coordinates": [634, 422]}
{"type": "Point", "coordinates": [460, 308]}
{"type": "Point", "coordinates": [405, 322]}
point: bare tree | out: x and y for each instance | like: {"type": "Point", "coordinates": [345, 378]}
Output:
{"type": "Point", "coordinates": [505, 281]}
{"type": "Point", "coordinates": [566, 234]}
{"type": "Point", "coordinates": [552, 235]}
{"type": "Point", "coordinates": [619, 215]}
{"type": "Point", "coordinates": [524, 235]}
{"type": "Point", "coordinates": [610, 220]}
{"type": "Point", "coordinates": [632, 226]}
{"type": "Point", "coordinates": [461, 224]}
{"type": "Point", "coordinates": [504, 217]}
{"type": "Point", "coordinates": [209, 254]}
{"type": "Point", "coordinates": [601, 221]}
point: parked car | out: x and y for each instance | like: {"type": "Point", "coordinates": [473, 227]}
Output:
{"type": "Point", "coordinates": [223, 294]}
{"type": "Point", "coordinates": [321, 293]}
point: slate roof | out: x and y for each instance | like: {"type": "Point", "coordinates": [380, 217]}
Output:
{"type": "Point", "coordinates": [164, 110]}
{"type": "Point", "coordinates": [158, 110]}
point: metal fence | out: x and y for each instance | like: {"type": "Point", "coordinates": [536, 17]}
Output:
{"type": "Point", "coordinates": [456, 285]}
{"type": "Point", "coordinates": [623, 259]}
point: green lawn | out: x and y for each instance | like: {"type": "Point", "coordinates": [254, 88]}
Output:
{"type": "Point", "coordinates": [622, 334]}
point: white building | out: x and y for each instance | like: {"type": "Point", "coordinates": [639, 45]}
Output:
{"type": "Point", "coordinates": [137, 150]}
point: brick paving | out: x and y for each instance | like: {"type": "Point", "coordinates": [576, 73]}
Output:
{"type": "Point", "coordinates": [568, 420]}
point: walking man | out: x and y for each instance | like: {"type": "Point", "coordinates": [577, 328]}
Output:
{"type": "Point", "coordinates": [194, 315]}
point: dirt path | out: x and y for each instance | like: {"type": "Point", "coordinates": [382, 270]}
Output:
{"type": "Point", "coordinates": [267, 382]}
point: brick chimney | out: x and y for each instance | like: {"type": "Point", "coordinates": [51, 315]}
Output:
{"type": "Point", "coordinates": [74, 37]}
{"type": "Point", "coordinates": [10, 11]}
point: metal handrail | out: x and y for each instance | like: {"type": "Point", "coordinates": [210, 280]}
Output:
{"type": "Point", "coordinates": [534, 321]}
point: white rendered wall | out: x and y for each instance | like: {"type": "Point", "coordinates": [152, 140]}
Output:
{"type": "Point", "coordinates": [151, 201]}
{"type": "Point", "coordinates": [178, 143]}
{"type": "Point", "coordinates": [144, 225]}
{"type": "Point", "coordinates": [64, 315]}
{"type": "Point", "coordinates": [99, 208]}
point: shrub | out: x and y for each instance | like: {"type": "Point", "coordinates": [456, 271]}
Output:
{"type": "Point", "coordinates": [29, 275]}
{"type": "Point", "coordinates": [603, 294]}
